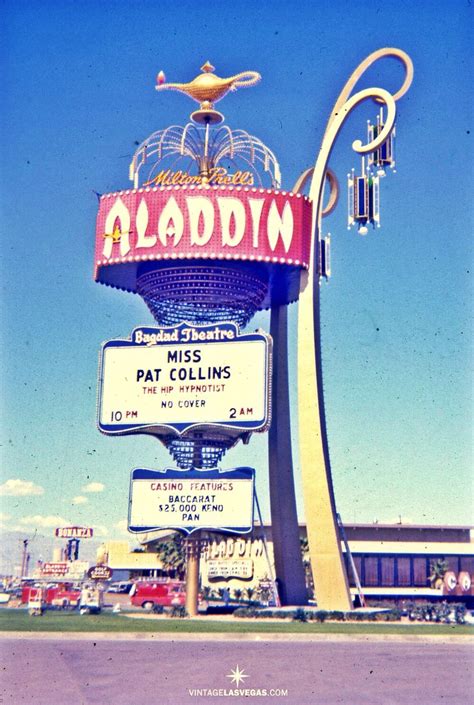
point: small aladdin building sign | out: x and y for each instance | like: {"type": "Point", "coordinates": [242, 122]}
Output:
{"type": "Point", "coordinates": [240, 561]}
{"type": "Point", "coordinates": [227, 569]}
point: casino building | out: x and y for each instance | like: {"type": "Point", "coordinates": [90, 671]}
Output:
{"type": "Point", "coordinates": [392, 560]}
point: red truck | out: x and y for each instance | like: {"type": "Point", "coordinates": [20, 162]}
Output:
{"type": "Point", "coordinates": [148, 593]}
{"type": "Point", "coordinates": [57, 596]}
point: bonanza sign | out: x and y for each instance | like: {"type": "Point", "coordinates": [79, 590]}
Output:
{"type": "Point", "coordinates": [74, 532]}
{"type": "Point", "coordinates": [199, 222]}
{"type": "Point", "coordinates": [176, 378]}
{"type": "Point", "coordinates": [190, 500]}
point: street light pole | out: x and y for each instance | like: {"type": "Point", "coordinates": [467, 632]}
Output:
{"type": "Point", "coordinates": [329, 574]}
{"type": "Point", "coordinates": [24, 559]}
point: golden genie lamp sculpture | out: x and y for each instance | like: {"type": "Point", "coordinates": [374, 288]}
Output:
{"type": "Point", "coordinates": [207, 88]}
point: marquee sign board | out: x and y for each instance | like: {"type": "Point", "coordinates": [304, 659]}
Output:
{"type": "Point", "coordinates": [66, 570]}
{"type": "Point", "coordinates": [188, 500]}
{"type": "Point", "coordinates": [199, 222]}
{"type": "Point", "coordinates": [58, 569]}
{"type": "Point", "coordinates": [172, 379]}
{"type": "Point", "coordinates": [100, 572]}
{"type": "Point", "coordinates": [228, 569]}
{"type": "Point", "coordinates": [74, 532]}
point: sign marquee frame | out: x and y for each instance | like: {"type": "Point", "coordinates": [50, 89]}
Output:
{"type": "Point", "coordinates": [176, 338]}
{"type": "Point", "coordinates": [213, 223]}
{"type": "Point", "coordinates": [100, 572]}
{"type": "Point", "coordinates": [175, 478]}
{"type": "Point", "coordinates": [54, 568]}
{"type": "Point", "coordinates": [74, 532]}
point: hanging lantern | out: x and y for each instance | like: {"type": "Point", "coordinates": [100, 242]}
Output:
{"type": "Point", "coordinates": [363, 200]}
{"type": "Point", "coordinates": [325, 257]}
{"type": "Point", "coordinates": [384, 156]}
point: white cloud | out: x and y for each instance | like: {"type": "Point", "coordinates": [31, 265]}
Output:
{"type": "Point", "coordinates": [100, 531]}
{"type": "Point", "coordinates": [80, 499]}
{"type": "Point", "coordinates": [4, 518]}
{"type": "Point", "coordinates": [44, 522]}
{"type": "Point", "coordinates": [94, 487]}
{"type": "Point", "coordinates": [122, 527]}
{"type": "Point", "coordinates": [20, 488]}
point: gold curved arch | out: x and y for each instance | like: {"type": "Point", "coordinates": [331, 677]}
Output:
{"type": "Point", "coordinates": [333, 193]}
{"type": "Point", "coordinates": [393, 52]}
{"type": "Point", "coordinates": [302, 180]}
{"type": "Point", "coordinates": [330, 579]}
{"type": "Point", "coordinates": [332, 131]}
{"type": "Point", "coordinates": [331, 177]}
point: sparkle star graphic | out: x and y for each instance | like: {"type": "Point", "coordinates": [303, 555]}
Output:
{"type": "Point", "coordinates": [237, 675]}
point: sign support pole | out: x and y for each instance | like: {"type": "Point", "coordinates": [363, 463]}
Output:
{"type": "Point", "coordinates": [193, 552]}
{"type": "Point", "coordinates": [276, 596]}
{"type": "Point", "coordinates": [289, 566]}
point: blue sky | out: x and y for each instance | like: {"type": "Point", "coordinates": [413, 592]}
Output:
{"type": "Point", "coordinates": [78, 91]}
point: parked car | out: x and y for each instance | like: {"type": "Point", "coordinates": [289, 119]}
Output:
{"type": "Point", "coordinates": [120, 588]}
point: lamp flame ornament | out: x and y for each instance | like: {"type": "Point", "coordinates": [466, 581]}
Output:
{"type": "Point", "coordinates": [207, 238]}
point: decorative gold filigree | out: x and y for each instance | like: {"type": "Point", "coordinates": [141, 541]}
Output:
{"type": "Point", "coordinates": [341, 110]}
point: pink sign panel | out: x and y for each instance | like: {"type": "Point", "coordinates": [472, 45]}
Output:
{"type": "Point", "coordinates": [198, 222]}
{"type": "Point", "coordinates": [54, 568]}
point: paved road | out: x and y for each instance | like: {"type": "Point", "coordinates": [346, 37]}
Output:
{"type": "Point", "coordinates": [125, 672]}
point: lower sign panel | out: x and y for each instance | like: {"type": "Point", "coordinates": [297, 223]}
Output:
{"type": "Point", "coordinates": [188, 500]}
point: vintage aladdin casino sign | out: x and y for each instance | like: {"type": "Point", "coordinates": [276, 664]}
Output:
{"type": "Point", "coordinates": [206, 250]}
{"type": "Point", "coordinates": [199, 222]}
